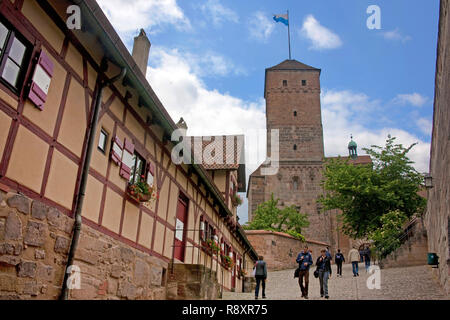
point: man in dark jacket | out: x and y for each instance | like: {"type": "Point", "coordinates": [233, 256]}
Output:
{"type": "Point", "coordinates": [304, 260]}
{"type": "Point", "coordinates": [261, 276]}
{"type": "Point", "coordinates": [339, 259]}
{"type": "Point", "coordinates": [324, 266]}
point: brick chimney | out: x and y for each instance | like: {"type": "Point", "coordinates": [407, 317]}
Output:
{"type": "Point", "coordinates": [141, 51]}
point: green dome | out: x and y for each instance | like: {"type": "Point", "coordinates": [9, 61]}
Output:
{"type": "Point", "coordinates": [352, 144]}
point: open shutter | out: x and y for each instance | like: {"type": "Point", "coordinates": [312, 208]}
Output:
{"type": "Point", "coordinates": [127, 159]}
{"type": "Point", "coordinates": [202, 229]}
{"type": "Point", "coordinates": [222, 246]}
{"type": "Point", "coordinates": [117, 150]}
{"type": "Point", "coordinates": [40, 83]}
{"type": "Point", "coordinates": [150, 173]}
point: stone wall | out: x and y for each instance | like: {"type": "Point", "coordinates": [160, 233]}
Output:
{"type": "Point", "coordinates": [437, 217]}
{"type": "Point", "coordinates": [412, 253]}
{"type": "Point", "coordinates": [280, 250]}
{"type": "Point", "coordinates": [192, 282]}
{"type": "Point", "coordinates": [34, 243]}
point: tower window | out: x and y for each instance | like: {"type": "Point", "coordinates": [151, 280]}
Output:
{"type": "Point", "coordinates": [295, 113]}
{"type": "Point", "coordinates": [284, 83]}
{"type": "Point", "coordinates": [303, 82]}
{"type": "Point", "coordinates": [295, 147]}
{"type": "Point", "coordinates": [295, 183]}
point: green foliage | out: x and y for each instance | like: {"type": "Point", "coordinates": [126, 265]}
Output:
{"type": "Point", "coordinates": [365, 193]}
{"type": "Point", "coordinates": [386, 239]}
{"type": "Point", "coordinates": [269, 217]}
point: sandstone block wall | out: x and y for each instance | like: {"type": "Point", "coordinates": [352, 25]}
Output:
{"type": "Point", "coordinates": [279, 249]}
{"type": "Point", "coordinates": [437, 216]}
{"type": "Point", "coordinates": [34, 243]}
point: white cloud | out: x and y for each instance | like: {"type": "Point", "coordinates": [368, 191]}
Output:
{"type": "Point", "coordinates": [215, 11]}
{"type": "Point", "coordinates": [425, 125]}
{"type": "Point", "coordinates": [396, 35]}
{"type": "Point", "coordinates": [321, 37]}
{"type": "Point", "coordinates": [131, 15]}
{"type": "Point", "coordinates": [414, 99]}
{"type": "Point", "coordinates": [206, 112]}
{"type": "Point", "coordinates": [340, 114]}
{"type": "Point", "coordinates": [260, 26]}
{"type": "Point", "coordinates": [211, 63]}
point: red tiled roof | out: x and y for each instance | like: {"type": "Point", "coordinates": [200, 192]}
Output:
{"type": "Point", "coordinates": [232, 148]}
{"type": "Point", "coordinates": [292, 65]}
{"type": "Point", "coordinates": [359, 160]}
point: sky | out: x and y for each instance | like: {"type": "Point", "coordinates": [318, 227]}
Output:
{"type": "Point", "coordinates": [208, 59]}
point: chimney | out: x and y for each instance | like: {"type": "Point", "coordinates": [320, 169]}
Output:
{"type": "Point", "coordinates": [141, 51]}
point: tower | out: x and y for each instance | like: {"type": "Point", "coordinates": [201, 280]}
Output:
{"type": "Point", "coordinates": [292, 93]}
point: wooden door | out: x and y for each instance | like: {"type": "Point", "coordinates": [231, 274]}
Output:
{"type": "Point", "coordinates": [180, 232]}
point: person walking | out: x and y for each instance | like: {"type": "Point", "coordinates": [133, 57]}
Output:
{"type": "Point", "coordinates": [304, 260]}
{"type": "Point", "coordinates": [367, 258]}
{"type": "Point", "coordinates": [324, 267]}
{"type": "Point", "coordinates": [354, 257]}
{"type": "Point", "coordinates": [339, 259]}
{"type": "Point", "coordinates": [260, 276]}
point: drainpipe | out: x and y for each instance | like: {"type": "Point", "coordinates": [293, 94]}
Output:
{"type": "Point", "coordinates": [85, 174]}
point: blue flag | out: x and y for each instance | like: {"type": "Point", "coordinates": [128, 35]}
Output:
{"type": "Point", "coordinates": [283, 18]}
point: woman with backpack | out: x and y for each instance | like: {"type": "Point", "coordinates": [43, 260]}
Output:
{"type": "Point", "coordinates": [260, 273]}
{"type": "Point", "coordinates": [324, 272]}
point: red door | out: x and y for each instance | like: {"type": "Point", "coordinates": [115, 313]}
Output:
{"type": "Point", "coordinates": [233, 272]}
{"type": "Point", "coordinates": [180, 232]}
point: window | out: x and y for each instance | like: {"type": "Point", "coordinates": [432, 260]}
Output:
{"type": "Point", "coordinates": [295, 183]}
{"type": "Point", "coordinates": [138, 168]}
{"type": "Point", "coordinates": [14, 57]}
{"type": "Point", "coordinates": [295, 113]}
{"type": "Point", "coordinates": [303, 82]}
{"type": "Point", "coordinates": [295, 147]}
{"type": "Point", "coordinates": [284, 83]}
{"type": "Point", "coordinates": [102, 141]}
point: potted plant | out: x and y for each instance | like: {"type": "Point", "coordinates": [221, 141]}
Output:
{"type": "Point", "coordinates": [237, 200]}
{"type": "Point", "coordinates": [243, 273]}
{"type": "Point", "coordinates": [213, 246]}
{"type": "Point", "coordinates": [141, 191]}
{"type": "Point", "coordinates": [227, 261]}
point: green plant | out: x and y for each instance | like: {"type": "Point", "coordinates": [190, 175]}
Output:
{"type": "Point", "coordinates": [269, 217]}
{"type": "Point", "coordinates": [386, 239]}
{"type": "Point", "coordinates": [237, 200]}
{"type": "Point", "coordinates": [142, 191]}
{"type": "Point", "coordinates": [227, 261]}
{"type": "Point", "coordinates": [211, 244]}
{"type": "Point", "coordinates": [365, 193]}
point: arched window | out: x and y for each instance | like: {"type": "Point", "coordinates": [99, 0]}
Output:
{"type": "Point", "coordinates": [295, 183]}
{"type": "Point", "coordinates": [295, 147]}
{"type": "Point", "coordinates": [295, 113]}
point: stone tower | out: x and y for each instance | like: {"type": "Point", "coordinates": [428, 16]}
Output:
{"type": "Point", "coordinates": [292, 93]}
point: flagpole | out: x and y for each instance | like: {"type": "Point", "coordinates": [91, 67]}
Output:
{"type": "Point", "coordinates": [289, 35]}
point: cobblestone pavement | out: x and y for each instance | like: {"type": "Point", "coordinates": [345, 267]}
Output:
{"type": "Point", "coordinates": [410, 283]}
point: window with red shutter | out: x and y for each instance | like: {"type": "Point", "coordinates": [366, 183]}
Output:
{"type": "Point", "coordinates": [15, 54]}
{"type": "Point", "coordinates": [40, 83]}
{"type": "Point", "coordinates": [117, 151]}
{"type": "Point", "coordinates": [150, 174]}
{"type": "Point", "coordinates": [127, 159]}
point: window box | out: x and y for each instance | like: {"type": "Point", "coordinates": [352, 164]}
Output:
{"type": "Point", "coordinates": [236, 200]}
{"type": "Point", "coordinates": [141, 191]}
{"type": "Point", "coordinates": [227, 262]}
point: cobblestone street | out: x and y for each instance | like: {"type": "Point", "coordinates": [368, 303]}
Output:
{"type": "Point", "coordinates": [412, 283]}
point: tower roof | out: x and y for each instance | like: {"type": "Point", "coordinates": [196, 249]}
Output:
{"type": "Point", "coordinates": [292, 65]}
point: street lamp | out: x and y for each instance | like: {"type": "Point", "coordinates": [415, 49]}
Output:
{"type": "Point", "coordinates": [428, 181]}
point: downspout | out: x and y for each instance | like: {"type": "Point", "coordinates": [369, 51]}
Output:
{"type": "Point", "coordinates": [85, 173]}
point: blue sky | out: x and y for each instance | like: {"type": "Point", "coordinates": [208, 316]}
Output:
{"type": "Point", "coordinates": [208, 59]}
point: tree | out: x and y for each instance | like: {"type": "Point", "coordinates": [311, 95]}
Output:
{"type": "Point", "coordinates": [269, 217]}
{"type": "Point", "coordinates": [365, 193]}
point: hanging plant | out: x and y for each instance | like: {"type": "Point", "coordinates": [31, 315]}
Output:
{"type": "Point", "coordinates": [213, 246]}
{"type": "Point", "coordinates": [227, 261]}
{"type": "Point", "coordinates": [237, 200]}
{"type": "Point", "coordinates": [141, 191]}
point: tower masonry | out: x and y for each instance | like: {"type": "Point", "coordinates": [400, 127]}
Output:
{"type": "Point", "coordinates": [292, 93]}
